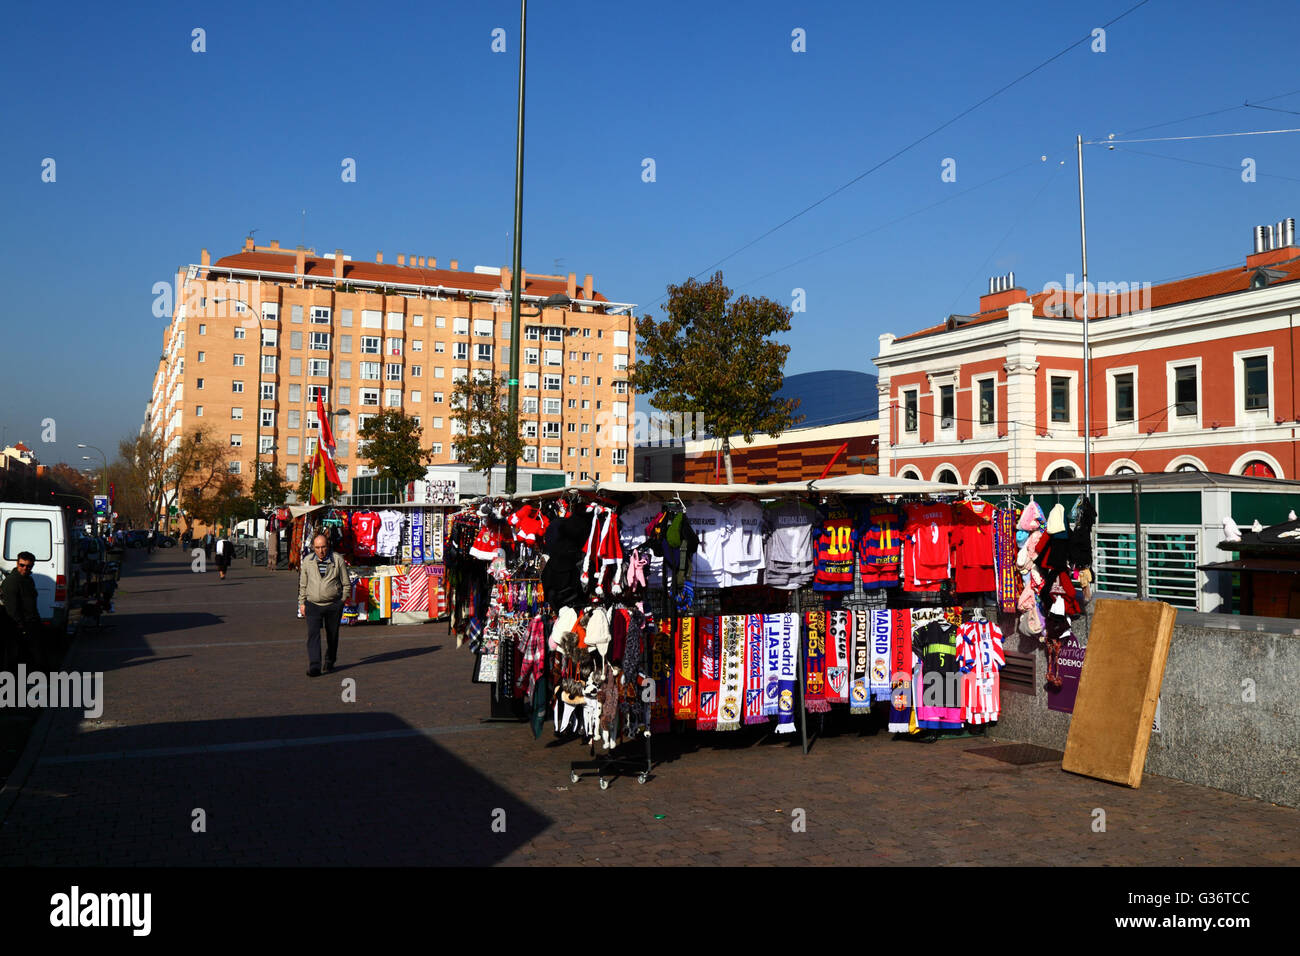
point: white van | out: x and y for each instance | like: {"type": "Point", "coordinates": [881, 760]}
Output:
{"type": "Point", "coordinates": [42, 530]}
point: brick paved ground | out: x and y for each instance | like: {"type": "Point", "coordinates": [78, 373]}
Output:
{"type": "Point", "coordinates": [208, 707]}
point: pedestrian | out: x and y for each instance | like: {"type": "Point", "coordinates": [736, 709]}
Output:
{"type": "Point", "coordinates": [208, 542]}
{"type": "Point", "coordinates": [18, 594]}
{"type": "Point", "coordinates": [150, 539]}
{"type": "Point", "coordinates": [321, 584]}
{"type": "Point", "coordinates": [187, 539]}
{"type": "Point", "coordinates": [225, 550]}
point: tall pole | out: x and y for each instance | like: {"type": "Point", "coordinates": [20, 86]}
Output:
{"type": "Point", "coordinates": [1087, 354]}
{"type": "Point", "coordinates": [512, 407]}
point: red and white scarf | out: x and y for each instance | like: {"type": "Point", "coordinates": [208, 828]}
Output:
{"type": "Point", "coordinates": [708, 633]}
{"type": "Point", "coordinates": [838, 630]}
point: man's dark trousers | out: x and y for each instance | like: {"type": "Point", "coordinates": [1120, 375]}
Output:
{"type": "Point", "coordinates": [328, 615]}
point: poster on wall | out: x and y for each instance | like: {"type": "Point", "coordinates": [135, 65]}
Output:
{"type": "Point", "coordinates": [434, 491]}
{"type": "Point", "coordinates": [1071, 664]}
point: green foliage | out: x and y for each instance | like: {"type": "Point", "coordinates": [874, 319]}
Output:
{"type": "Point", "coordinates": [485, 437]}
{"type": "Point", "coordinates": [304, 487]}
{"type": "Point", "coordinates": [715, 356]}
{"type": "Point", "coordinates": [269, 488]}
{"type": "Point", "coordinates": [394, 447]}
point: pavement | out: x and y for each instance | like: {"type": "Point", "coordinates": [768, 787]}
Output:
{"type": "Point", "coordinates": [215, 748]}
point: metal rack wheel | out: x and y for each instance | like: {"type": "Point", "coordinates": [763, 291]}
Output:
{"type": "Point", "coordinates": [604, 784]}
{"type": "Point", "coordinates": [573, 776]}
{"type": "Point", "coordinates": [641, 778]}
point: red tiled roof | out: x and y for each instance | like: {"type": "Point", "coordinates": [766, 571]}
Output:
{"type": "Point", "coordinates": [360, 271]}
{"type": "Point", "coordinates": [1224, 282]}
{"type": "Point", "coordinates": [21, 447]}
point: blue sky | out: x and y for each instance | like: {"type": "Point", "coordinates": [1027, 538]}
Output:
{"type": "Point", "coordinates": [161, 151]}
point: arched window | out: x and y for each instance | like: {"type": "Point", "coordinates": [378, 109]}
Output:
{"type": "Point", "coordinates": [1258, 469]}
{"type": "Point", "coordinates": [1188, 466]}
{"type": "Point", "coordinates": [947, 477]}
{"type": "Point", "coordinates": [1064, 473]}
{"type": "Point", "coordinates": [910, 474]}
{"type": "Point", "coordinates": [987, 476]}
{"type": "Point", "coordinates": [1121, 470]}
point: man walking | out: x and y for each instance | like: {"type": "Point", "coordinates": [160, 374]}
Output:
{"type": "Point", "coordinates": [18, 593]}
{"type": "Point", "coordinates": [225, 551]}
{"type": "Point", "coordinates": [207, 546]}
{"type": "Point", "coordinates": [321, 584]}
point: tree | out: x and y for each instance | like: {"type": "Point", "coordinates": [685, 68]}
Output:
{"type": "Point", "coordinates": [142, 460]}
{"type": "Point", "coordinates": [483, 436]}
{"type": "Point", "coordinates": [218, 503]}
{"type": "Point", "coordinates": [714, 357]}
{"type": "Point", "coordinates": [393, 447]}
{"type": "Point", "coordinates": [269, 487]}
{"type": "Point", "coordinates": [198, 464]}
{"type": "Point", "coordinates": [304, 487]}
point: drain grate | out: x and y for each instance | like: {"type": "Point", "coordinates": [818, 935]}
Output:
{"type": "Point", "coordinates": [1019, 754]}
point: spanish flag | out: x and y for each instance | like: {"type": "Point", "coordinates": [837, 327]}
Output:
{"type": "Point", "coordinates": [322, 467]}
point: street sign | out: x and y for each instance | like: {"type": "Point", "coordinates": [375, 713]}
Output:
{"type": "Point", "coordinates": [101, 505]}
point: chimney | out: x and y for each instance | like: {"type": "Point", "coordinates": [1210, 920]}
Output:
{"type": "Point", "coordinates": [204, 258]}
{"type": "Point", "coordinates": [586, 287]}
{"type": "Point", "coordinates": [433, 263]}
{"type": "Point", "coordinates": [454, 265]}
{"type": "Point", "coordinates": [421, 262]}
{"type": "Point", "coordinates": [1275, 243]}
{"type": "Point", "coordinates": [248, 244]}
{"type": "Point", "coordinates": [300, 264]}
{"type": "Point", "coordinates": [506, 276]}
{"type": "Point", "coordinates": [338, 263]}
{"type": "Point", "coordinates": [573, 286]}
{"type": "Point", "coordinates": [1003, 291]}
{"type": "Point", "coordinates": [275, 243]}
{"type": "Point", "coordinates": [401, 259]}
{"type": "Point", "coordinates": [379, 258]}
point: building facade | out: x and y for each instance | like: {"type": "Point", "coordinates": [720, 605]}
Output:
{"type": "Point", "coordinates": [256, 336]}
{"type": "Point", "coordinates": [1196, 373]}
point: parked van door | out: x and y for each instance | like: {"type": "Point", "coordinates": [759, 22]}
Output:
{"type": "Point", "coordinates": [40, 529]}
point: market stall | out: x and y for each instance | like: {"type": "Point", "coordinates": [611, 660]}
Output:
{"type": "Point", "coordinates": [630, 609]}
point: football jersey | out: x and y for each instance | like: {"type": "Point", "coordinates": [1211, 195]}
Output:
{"type": "Point", "coordinates": [742, 548]}
{"type": "Point", "coordinates": [880, 547]}
{"type": "Point", "coordinates": [712, 524]}
{"type": "Point", "coordinates": [972, 546]}
{"type": "Point", "coordinates": [788, 554]}
{"type": "Point", "coordinates": [834, 548]}
{"type": "Point", "coordinates": [981, 657]}
{"type": "Point", "coordinates": [389, 537]}
{"type": "Point", "coordinates": [940, 706]}
{"type": "Point", "coordinates": [927, 546]}
{"type": "Point", "coordinates": [365, 529]}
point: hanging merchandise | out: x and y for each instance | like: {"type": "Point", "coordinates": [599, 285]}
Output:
{"type": "Point", "coordinates": [973, 546]}
{"type": "Point", "coordinates": [927, 546]}
{"type": "Point", "coordinates": [788, 557]}
{"type": "Point", "coordinates": [754, 673]}
{"type": "Point", "coordinates": [731, 685]}
{"type": "Point", "coordinates": [1004, 542]}
{"type": "Point", "coordinates": [815, 668]}
{"type": "Point", "coordinates": [710, 522]}
{"type": "Point", "coordinates": [834, 548]}
{"type": "Point", "coordinates": [935, 642]}
{"type": "Point", "coordinates": [708, 631]}
{"type": "Point", "coordinates": [882, 631]}
{"type": "Point", "coordinates": [880, 547]}
{"type": "Point", "coordinates": [839, 666]}
{"type": "Point", "coordinates": [784, 630]}
{"type": "Point", "coordinates": [742, 547]}
{"type": "Point", "coordinates": [633, 520]}
{"type": "Point", "coordinates": [388, 539]}
{"type": "Point", "coordinates": [981, 657]}
{"type": "Point", "coordinates": [903, 670]}
{"type": "Point", "coordinates": [684, 702]}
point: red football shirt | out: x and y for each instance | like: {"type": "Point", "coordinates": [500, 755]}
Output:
{"type": "Point", "coordinates": [972, 546]}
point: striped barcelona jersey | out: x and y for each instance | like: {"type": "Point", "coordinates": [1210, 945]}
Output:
{"type": "Point", "coordinates": [880, 547]}
{"type": "Point", "coordinates": [834, 551]}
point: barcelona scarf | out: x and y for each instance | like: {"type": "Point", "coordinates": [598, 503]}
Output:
{"type": "Point", "coordinates": [754, 674]}
{"type": "Point", "coordinates": [684, 674]}
{"type": "Point", "coordinates": [782, 629]}
{"type": "Point", "coordinates": [732, 684]}
{"type": "Point", "coordinates": [837, 654]}
{"type": "Point", "coordinates": [814, 697]}
{"type": "Point", "coordinates": [860, 681]}
{"type": "Point", "coordinates": [900, 672]}
{"type": "Point", "coordinates": [710, 656]}
{"type": "Point", "coordinates": [1004, 552]}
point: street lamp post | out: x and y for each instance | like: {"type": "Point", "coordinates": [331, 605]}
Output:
{"type": "Point", "coordinates": [104, 478]}
{"type": "Point", "coordinates": [516, 284]}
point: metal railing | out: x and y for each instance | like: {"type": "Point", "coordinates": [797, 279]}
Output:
{"type": "Point", "coordinates": [1166, 572]}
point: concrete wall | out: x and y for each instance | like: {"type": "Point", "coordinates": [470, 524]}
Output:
{"type": "Point", "coordinates": [1212, 733]}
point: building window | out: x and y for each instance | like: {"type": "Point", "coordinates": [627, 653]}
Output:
{"type": "Point", "coordinates": [234, 467]}
{"type": "Point", "coordinates": [1255, 373]}
{"type": "Point", "coordinates": [318, 368]}
{"type": "Point", "coordinates": [586, 403]}
{"type": "Point", "coordinates": [265, 444]}
{"type": "Point", "coordinates": [295, 365]}
{"type": "Point", "coordinates": [483, 328]}
{"type": "Point", "coordinates": [620, 388]}
{"type": "Point", "coordinates": [320, 341]}
{"type": "Point", "coordinates": [483, 352]}
{"type": "Point", "coordinates": [416, 397]}
{"type": "Point", "coordinates": [370, 370]}
{"type": "Point", "coordinates": [986, 478]}
{"type": "Point", "coordinates": [1258, 469]}
{"type": "Point", "coordinates": [1060, 399]}
{"type": "Point", "coordinates": [1185, 391]}
{"type": "Point", "coordinates": [393, 347]}
{"type": "Point", "coordinates": [268, 364]}
{"type": "Point", "coordinates": [551, 406]}
{"type": "Point", "coordinates": [239, 333]}
{"type": "Point", "coordinates": [530, 429]}
{"type": "Point", "coordinates": [237, 387]}
{"type": "Point", "coordinates": [551, 456]}
{"type": "Point", "coordinates": [392, 372]}
{"type": "Point", "coordinates": [555, 335]}
{"type": "Point", "coordinates": [417, 371]}
{"type": "Point", "coordinates": [370, 396]}
{"type": "Point", "coordinates": [437, 448]}
{"type": "Point", "coordinates": [393, 397]}
{"type": "Point", "coordinates": [618, 457]}
{"type": "Point", "coordinates": [295, 418]}
{"type": "Point", "coordinates": [198, 410]}
{"type": "Point", "coordinates": [532, 333]}
{"type": "Point", "coordinates": [988, 402]}
{"type": "Point", "coordinates": [550, 429]}
{"type": "Point", "coordinates": [1124, 410]}
{"type": "Point", "coordinates": [395, 320]}
{"type": "Point", "coordinates": [320, 315]}
{"type": "Point", "coordinates": [437, 398]}
{"type": "Point", "coordinates": [439, 347]}
{"type": "Point", "coordinates": [551, 383]}
{"type": "Point", "coordinates": [530, 380]}
{"type": "Point", "coordinates": [295, 393]}
{"type": "Point", "coordinates": [269, 338]}
{"type": "Point", "coordinates": [345, 344]}
{"type": "Point", "coordinates": [460, 325]}
{"type": "Point", "coordinates": [910, 399]}
{"type": "Point", "coordinates": [293, 445]}
{"type": "Point", "coordinates": [460, 351]}
{"type": "Point", "coordinates": [530, 453]}
{"type": "Point", "coordinates": [237, 360]}
{"type": "Point", "coordinates": [947, 406]}
{"type": "Point", "coordinates": [291, 472]}
{"type": "Point", "coordinates": [345, 395]}
{"type": "Point", "coordinates": [203, 356]}
{"type": "Point", "coordinates": [345, 369]}
{"type": "Point", "coordinates": [237, 414]}
{"type": "Point", "coordinates": [369, 345]}
{"type": "Point", "coordinates": [571, 426]}
{"type": "Point", "coordinates": [295, 314]}
{"type": "Point", "coordinates": [417, 345]}
{"type": "Point", "coordinates": [268, 418]}
{"type": "Point", "coordinates": [531, 356]}
{"type": "Point", "coordinates": [1064, 473]}
{"type": "Point", "coordinates": [203, 329]}
{"type": "Point", "coordinates": [268, 391]}
{"type": "Point", "coordinates": [295, 340]}
{"type": "Point", "coordinates": [318, 391]}
{"type": "Point", "coordinates": [345, 318]}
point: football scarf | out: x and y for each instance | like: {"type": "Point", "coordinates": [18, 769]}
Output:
{"type": "Point", "coordinates": [707, 632]}
{"type": "Point", "coordinates": [684, 673]}
{"type": "Point", "coordinates": [754, 673]}
{"type": "Point", "coordinates": [785, 627]}
{"type": "Point", "coordinates": [860, 649]}
{"type": "Point", "coordinates": [900, 673]}
{"type": "Point", "coordinates": [661, 671]}
{"type": "Point", "coordinates": [837, 654]}
{"type": "Point", "coordinates": [417, 536]}
{"type": "Point", "coordinates": [882, 628]}
{"type": "Point", "coordinates": [1004, 553]}
{"type": "Point", "coordinates": [731, 688]}
{"type": "Point", "coordinates": [814, 697]}
{"type": "Point", "coordinates": [771, 666]}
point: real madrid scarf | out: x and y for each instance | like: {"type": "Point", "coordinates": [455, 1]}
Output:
{"type": "Point", "coordinates": [860, 681]}
{"type": "Point", "coordinates": [684, 671]}
{"type": "Point", "coordinates": [710, 641]}
{"type": "Point", "coordinates": [786, 628]}
{"type": "Point", "coordinates": [837, 654]}
{"type": "Point", "coordinates": [731, 689]}
{"type": "Point", "coordinates": [882, 627]}
{"type": "Point", "coordinates": [417, 536]}
{"type": "Point", "coordinates": [754, 673]}
{"type": "Point", "coordinates": [814, 696]}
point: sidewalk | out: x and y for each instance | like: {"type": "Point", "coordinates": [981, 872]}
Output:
{"type": "Point", "coordinates": [208, 709]}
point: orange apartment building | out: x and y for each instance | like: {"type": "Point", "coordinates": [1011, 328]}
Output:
{"type": "Point", "coordinates": [255, 336]}
{"type": "Point", "coordinates": [1194, 374]}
